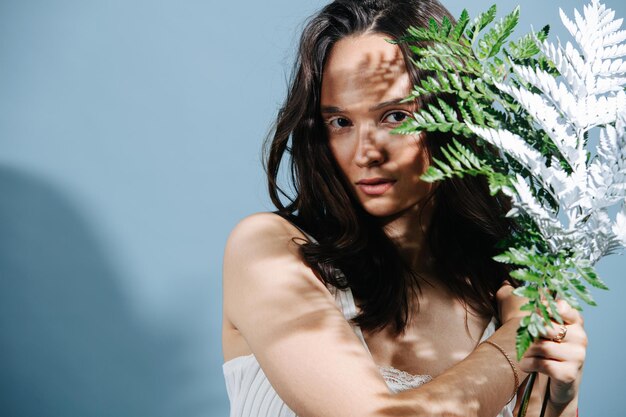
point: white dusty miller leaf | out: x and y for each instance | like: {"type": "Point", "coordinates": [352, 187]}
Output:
{"type": "Point", "coordinates": [566, 189]}
{"type": "Point", "coordinates": [607, 172]}
{"type": "Point", "coordinates": [549, 118]}
{"type": "Point", "coordinates": [619, 228]}
{"type": "Point", "coordinates": [589, 94]}
{"type": "Point", "coordinates": [547, 222]}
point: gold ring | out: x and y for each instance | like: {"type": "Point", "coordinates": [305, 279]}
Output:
{"type": "Point", "coordinates": [561, 335]}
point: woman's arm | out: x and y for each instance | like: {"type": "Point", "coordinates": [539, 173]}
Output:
{"type": "Point", "coordinates": [479, 385]}
{"type": "Point", "coordinates": [536, 400]}
{"type": "Point", "coordinates": [309, 352]}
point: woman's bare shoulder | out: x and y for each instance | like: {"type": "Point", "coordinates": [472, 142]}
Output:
{"type": "Point", "coordinates": [261, 224]}
{"type": "Point", "coordinates": [261, 233]}
{"type": "Point", "coordinates": [261, 254]}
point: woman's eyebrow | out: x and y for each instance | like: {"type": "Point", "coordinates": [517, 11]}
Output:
{"type": "Point", "coordinates": [331, 109]}
{"type": "Point", "coordinates": [392, 102]}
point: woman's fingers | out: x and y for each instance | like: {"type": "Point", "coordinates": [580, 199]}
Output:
{"type": "Point", "coordinates": [564, 372]}
{"type": "Point", "coordinates": [571, 330]}
{"type": "Point", "coordinates": [560, 353]}
{"type": "Point", "coordinates": [562, 362]}
{"type": "Point", "coordinates": [567, 333]}
{"type": "Point", "coordinates": [569, 314]}
{"type": "Point", "coordinates": [556, 332]}
{"type": "Point", "coordinates": [547, 349]}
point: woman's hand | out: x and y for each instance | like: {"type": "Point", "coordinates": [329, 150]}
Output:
{"type": "Point", "coordinates": [509, 304]}
{"type": "Point", "coordinates": [562, 360]}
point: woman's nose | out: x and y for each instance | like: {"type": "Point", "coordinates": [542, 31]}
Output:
{"type": "Point", "coordinates": [369, 150]}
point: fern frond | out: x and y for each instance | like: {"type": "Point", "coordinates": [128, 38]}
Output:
{"type": "Point", "coordinates": [607, 172]}
{"type": "Point", "coordinates": [480, 22]}
{"type": "Point", "coordinates": [509, 143]}
{"type": "Point", "coordinates": [599, 41]}
{"type": "Point", "coordinates": [619, 227]}
{"type": "Point", "coordinates": [561, 187]}
{"type": "Point", "coordinates": [547, 222]}
{"type": "Point", "coordinates": [593, 237]}
{"type": "Point", "coordinates": [566, 67]}
{"type": "Point", "coordinates": [527, 46]}
{"type": "Point", "coordinates": [536, 102]}
{"type": "Point", "coordinates": [459, 161]}
{"type": "Point", "coordinates": [550, 120]}
{"type": "Point", "coordinates": [612, 48]}
{"type": "Point", "coordinates": [493, 40]}
{"type": "Point", "coordinates": [558, 92]}
{"type": "Point", "coordinates": [463, 21]}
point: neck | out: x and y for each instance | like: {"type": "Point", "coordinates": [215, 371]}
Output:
{"type": "Point", "coordinates": [408, 231]}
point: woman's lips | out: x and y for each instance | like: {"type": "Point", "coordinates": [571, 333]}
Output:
{"type": "Point", "coordinates": [375, 186]}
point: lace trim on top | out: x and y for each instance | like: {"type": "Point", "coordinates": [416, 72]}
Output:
{"type": "Point", "coordinates": [399, 380]}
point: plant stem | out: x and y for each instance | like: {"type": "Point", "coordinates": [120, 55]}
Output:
{"type": "Point", "coordinates": [526, 396]}
{"type": "Point", "coordinates": [546, 397]}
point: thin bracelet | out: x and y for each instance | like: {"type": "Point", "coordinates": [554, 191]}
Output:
{"type": "Point", "coordinates": [512, 367]}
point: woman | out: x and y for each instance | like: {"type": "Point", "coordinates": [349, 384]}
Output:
{"type": "Point", "coordinates": [370, 292]}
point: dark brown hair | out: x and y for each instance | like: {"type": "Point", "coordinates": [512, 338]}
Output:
{"type": "Point", "coordinates": [352, 250]}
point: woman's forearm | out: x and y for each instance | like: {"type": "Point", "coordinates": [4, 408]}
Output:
{"type": "Point", "coordinates": [569, 410]}
{"type": "Point", "coordinates": [480, 385]}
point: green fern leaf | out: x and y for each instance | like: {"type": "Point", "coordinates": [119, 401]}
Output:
{"type": "Point", "coordinates": [433, 27]}
{"type": "Point", "coordinates": [527, 291]}
{"type": "Point", "coordinates": [464, 155]}
{"type": "Point", "coordinates": [528, 275]}
{"type": "Point", "coordinates": [438, 114]}
{"type": "Point", "coordinates": [432, 174]}
{"type": "Point", "coordinates": [581, 291]}
{"type": "Point", "coordinates": [526, 47]}
{"type": "Point", "coordinates": [481, 21]}
{"type": "Point", "coordinates": [448, 110]}
{"type": "Point", "coordinates": [461, 24]}
{"type": "Point", "coordinates": [554, 312]}
{"type": "Point", "coordinates": [428, 118]}
{"type": "Point", "coordinates": [443, 167]}
{"type": "Point", "coordinates": [446, 27]}
{"type": "Point", "coordinates": [455, 81]}
{"type": "Point", "coordinates": [544, 312]}
{"type": "Point", "coordinates": [408, 127]}
{"type": "Point", "coordinates": [589, 274]}
{"type": "Point", "coordinates": [476, 111]}
{"type": "Point", "coordinates": [429, 63]}
{"type": "Point", "coordinates": [456, 165]}
{"type": "Point", "coordinates": [523, 340]}
{"type": "Point", "coordinates": [493, 40]}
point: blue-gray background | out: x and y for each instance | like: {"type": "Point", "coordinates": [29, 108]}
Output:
{"type": "Point", "coordinates": [130, 137]}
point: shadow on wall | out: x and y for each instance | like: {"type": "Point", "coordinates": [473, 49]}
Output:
{"type": "Point", "coordinates": [68, 343]}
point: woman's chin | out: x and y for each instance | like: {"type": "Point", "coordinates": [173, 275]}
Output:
{"type": "Point", "coordinates": [380, 208]}
{"type": "Point", "coordinates": [389, 209]}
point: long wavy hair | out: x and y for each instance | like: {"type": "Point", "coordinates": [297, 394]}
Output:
{"type": "Point", "coordinates": [351, 248]}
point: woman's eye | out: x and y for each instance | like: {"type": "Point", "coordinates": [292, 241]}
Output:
{"type": "Point", "coordinates": [338, 123]}
{"type": "Point", "coordinates": [396, 117]}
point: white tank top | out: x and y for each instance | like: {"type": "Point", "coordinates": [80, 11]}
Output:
{"type": "Point", "coordinates": [252, 395]}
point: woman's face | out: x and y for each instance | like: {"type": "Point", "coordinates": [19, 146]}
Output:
{"type": "Point", "coordinates": [363, 80]}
